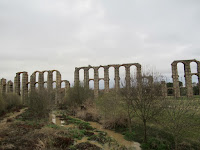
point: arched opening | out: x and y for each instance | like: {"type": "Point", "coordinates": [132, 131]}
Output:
{"type": "Point", "coordinates": [81, 76]}
{"type": "Point", "coordinates": [45, 84]}
{"type": "Point", "coordinates": [111, 77]}
{"type": "Point", "coordinates": [122, 75]}
{"type": "Point", "coordinates": [195, 85]}
{"type": "Point", "coordinates": [54, 84]}
{"type": "Point", "coordinates": [193, 67]}
{"type": "Point", "coordinates": [181, 73]}
{"type": "Point", "coordinates": [36, 85]}
{"type": "Point", "coordinates": [45, 74]}
{"type": "Point", "coordinates": [28, 86]}
{"type": "Point", "coordinates": [101, 72]}
{"type": "Point", "coordinates": [62, 84]}
{"type": "Point", "coordinates": [36, 76]}
{"type": "Point", "coordinates": [91, 73]}
{"type": "Point", "coordinates": [91, 84]}
{"type": "Point", "coordinates": [54, 75]}
{"type": "Point", "coordinates": [133, 75]}
{"type": "Point", "coordinates": [101, 84]}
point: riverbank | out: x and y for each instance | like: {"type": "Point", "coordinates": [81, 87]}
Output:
{"type": "Point", "coordinates": [20, 131]}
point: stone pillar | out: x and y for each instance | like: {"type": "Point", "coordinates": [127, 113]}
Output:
{"type": "Point", "coordinates": [164, 88]}
{"type": "Point", "coordinates": [86, 77]}
{"type": "Point", "coordinates": [50, 81]}
{"type": "Point", "coordinates": [9, 87]}
{"type": "Point", "coordinates": [128, 77]}
{"type": "Point", "coordinates": [76, 76]}
{"type": "Point", "coordinates": [17, 84]}
{"type": "Point", "coordinates": [32, 82]}
{"type": "Point", "coordinates": [58, 87]}
{"type": "Point", "coordinates": [198, 72]}
{"type": "Point", "coordinates": [24, 90]}
{"type": "Point", "coordinates": [188, 79]}
{"type": "Point", "coordinates": [67, 86]}
{"type": "Point", "coordinates": [117, 78]}
{"type": "Point", "coordinates": [40, 81]}
{"type": "Point", "coordinates": [106, 79]}
{"type": "Point", "coordinates": [139, 74]}
{"type": "Point", "coordinates": [176, 87]}
{"type": "Point", "coordinates": [96, 82]}
{"type": "Point", "coordinates": [3, 86]}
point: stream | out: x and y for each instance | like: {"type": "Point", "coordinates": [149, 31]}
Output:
{"type": "Point", "coordinates": [117, 136]}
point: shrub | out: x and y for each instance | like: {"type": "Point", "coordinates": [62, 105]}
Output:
{"type": "Point", "coordinates": [155, 144]}
{"type": "Point", "coordinates": [12, 100]}
{"type": "Point", "coordinates": [111, 109]}
{"type": "Point", "coordinates": [39, 104]}
{"type": "Point", "coordinates": [2, 105]}
{"type": "Point", "coordinates": [129, 136]}
{"type": "Point", "coordinates": [77, 95]}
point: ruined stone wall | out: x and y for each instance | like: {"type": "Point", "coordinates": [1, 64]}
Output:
{"type": "Point", "coordinates": [187, 74]}
{"type": "Point", "coordinates": [106, 76]}
{"type": "Point", "coordinates": [22, 89]}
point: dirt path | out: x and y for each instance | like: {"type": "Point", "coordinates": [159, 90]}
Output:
{"type": "Point", "coordinates": [12, 116]}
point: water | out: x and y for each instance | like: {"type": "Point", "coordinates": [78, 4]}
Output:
{"type": "Point", "coordinates": [117, 136]}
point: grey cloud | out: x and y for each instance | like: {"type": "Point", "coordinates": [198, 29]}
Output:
{"type": "Point", "coordinates": [50, 34]}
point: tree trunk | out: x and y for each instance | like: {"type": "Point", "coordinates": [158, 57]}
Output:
{"type": "Point", "coordinates": [129, 121]}
{"type": "Point", "coordinates": [145, 131]}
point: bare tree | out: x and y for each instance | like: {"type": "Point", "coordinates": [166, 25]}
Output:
{"type": "Point", "coordinates": [145, 99]}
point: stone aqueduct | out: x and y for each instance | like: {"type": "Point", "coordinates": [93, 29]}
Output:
{"type": "Point", "coordinates": [23, 87]}
{"type": "Point", "coordinates": [187, 74]}
{"type": "Point", "coordinates": [106, 79]}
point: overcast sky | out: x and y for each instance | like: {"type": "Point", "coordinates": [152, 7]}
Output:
{"type": "Point", "coordinates": [64, 34]}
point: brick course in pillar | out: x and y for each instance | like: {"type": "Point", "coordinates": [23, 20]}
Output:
{"type": "Point", "coordinates": [96, 82]}
{"type": "Point", "coordinates": [9, 87]}
{"type": "Point", "coordinates": [76, 76]}
{"type": "Point", "coordinates": [86, 77]}
{"type": "Point", "coordinates": [17, 84]}
{"type": "Point", "coordinates": [41, 81]}
{"type": "Point", "coordinates": [188, 79]}
{"type": "Point", "coordinates": [50, 81]}
{"type": "Point", "coordinates": [3, 86]}
{"type": "Point", "coordinates": [128, 77]}
{"type": "Point", "coordinates": [106, 78]}
{"type": "Point", "coordinates": [24, 92]}
{"type": "Point", "coordinates": [175, 76]}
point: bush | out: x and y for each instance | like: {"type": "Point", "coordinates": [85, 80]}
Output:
{"type": "Point", "coordinates": [2, 105]}
{"type": "Point", "coordinates": [39, 104]}
{"type": "Point", "coordinates": [77, 95]}
{"type": "Point", "coordinates": [9, 101]}
{"type": "Point", "coordinates": [155, 144]}
{"type": "Point", "coordinates": [129, 136]}
{"type": "Point", "coordinates": [111, 109]}
{"type": "Point", "coordinates": [12, 100]}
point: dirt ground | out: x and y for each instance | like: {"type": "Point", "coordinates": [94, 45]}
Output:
{"type": "Point", "coordinates": [17, 133]}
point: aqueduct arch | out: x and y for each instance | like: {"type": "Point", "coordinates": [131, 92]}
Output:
{"type": "Point", "coordinates": [21, 87]}
{"type": "Point", "coordinates": [188, 76]}
{"type": "Point", "coordinates": [106, 76]}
